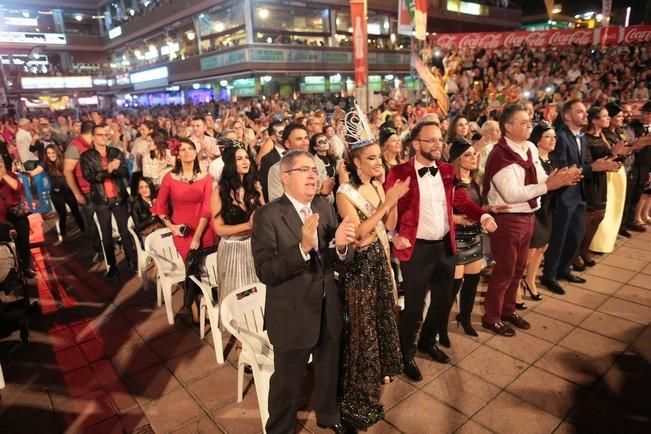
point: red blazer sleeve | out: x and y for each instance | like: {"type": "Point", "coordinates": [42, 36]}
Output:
{"type": "Point", "coordinates": [467, 206]}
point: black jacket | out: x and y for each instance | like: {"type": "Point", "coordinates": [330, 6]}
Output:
{"type": "Point", "coordinates": [142, 216]}
{"type": "Point", "coordinates": [91, 167]}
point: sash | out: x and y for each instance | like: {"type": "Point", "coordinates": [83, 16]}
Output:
{"type": "Point", "coordinates": [355, 197]}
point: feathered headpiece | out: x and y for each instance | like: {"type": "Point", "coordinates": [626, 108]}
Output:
{"type": "Point", "coordinates": [174, 145]}
{"type": "Point", "coordinates": [358, 130]}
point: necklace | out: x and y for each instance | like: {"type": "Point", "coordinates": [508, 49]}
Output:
{"type": "Point", "coordinates": [188, 181]}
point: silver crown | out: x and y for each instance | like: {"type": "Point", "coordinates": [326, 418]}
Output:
{"type": "Point", "coordinates": [358, 130]}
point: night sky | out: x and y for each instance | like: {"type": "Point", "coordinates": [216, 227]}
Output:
{"type": "Point", "coordinates": [573, 7]}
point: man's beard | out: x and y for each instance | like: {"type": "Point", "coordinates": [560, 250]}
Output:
{"type": "Point", "coordinates": [430, 156]}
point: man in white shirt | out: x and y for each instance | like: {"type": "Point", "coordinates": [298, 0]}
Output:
{"type": "Point", "coordinates": [514, 177]}
{"type": "Point", "coordinates": [24, 140]}
{"type": "Point", "coordinates": [206, 146]}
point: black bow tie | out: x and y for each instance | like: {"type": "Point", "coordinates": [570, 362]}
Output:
{"type": "Point", "coordinates": [423, 170]}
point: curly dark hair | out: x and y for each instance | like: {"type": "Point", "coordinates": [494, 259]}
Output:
{"type": "Point", "coordinates": [230, 181]}
{"type": "Point", "coordinates": [350, 167]}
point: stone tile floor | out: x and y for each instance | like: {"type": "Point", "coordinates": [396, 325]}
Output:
{"type": "Point", "coordinates": [103, 359]}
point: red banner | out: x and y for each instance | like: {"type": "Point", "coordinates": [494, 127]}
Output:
{"type": "Point", "coordinates": [612, 35]}
{"type": "Point", "coordinates": [360, 46]}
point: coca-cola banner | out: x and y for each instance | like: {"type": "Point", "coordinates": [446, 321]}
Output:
{"type": "Point", "coordinates": [612, 35]}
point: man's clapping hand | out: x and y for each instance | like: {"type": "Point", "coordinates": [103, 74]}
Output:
{"type": "Point", "coordinates": [309, 239]}
{"type": "Point", "coordinates": [489, 225]}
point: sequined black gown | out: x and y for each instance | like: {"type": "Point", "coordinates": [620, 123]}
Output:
{"type": "Point", "coordinates": [371, 344]}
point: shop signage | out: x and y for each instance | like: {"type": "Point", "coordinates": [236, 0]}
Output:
{"type": "Point", "coordinates": [225, 59]}
{"type": "Point", "coordinates": [32, 38]}
{"type": "Point", "coordinates": [76, 82]}
{"type": "Point", "coordinates": [115, 32]}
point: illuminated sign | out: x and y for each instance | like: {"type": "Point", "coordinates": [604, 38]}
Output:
{"type": "Point", "coordinates": [21, 21]}
{"type": "Point", "coordinates": [90, 100]}
{"type": "Point", "coordinates": [100, 82]}
{"type": "Point", "coordinates": [115, 32]}
{"type": "Point", "coordinates": [32, 38]}
{"type": "Point", "coordinates": [149, 75]}
{"type": "Point", "coordinates": [122, 79]}
{"type": "Point", "coordinates": [77, 82]}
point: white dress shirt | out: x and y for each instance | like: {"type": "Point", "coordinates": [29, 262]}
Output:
{"type": "Point", "coordinates": [433, 223]}
{"type": "Point", "coordinates": [507, 186]}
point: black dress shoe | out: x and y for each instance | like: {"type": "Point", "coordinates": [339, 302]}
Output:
{"type": "Point", "coordinates": [552, 285]}
{"type": "Point", "coordinates": [572, 278]}
{"type": "Point", "coordinates": [434, 352]}
{"type": "Point", "coordinates": [635, 227]}
{"type": "Point", "coordinates": [29, 272]}
{"type": "Point", "coordinates": [340, 428]}
{"type": "Point", "coordinates": [111, 274]}
{"type": "Point", "coordinates": [590, 263]}
{"type": "Point", "coordinates": [623, 232]}
{"type": "Point", "coordinates": [517, 321]}
{"type": "Point", "coordinates": [578, 267]}
{"type": "Point", "coordinates": [411, 370]}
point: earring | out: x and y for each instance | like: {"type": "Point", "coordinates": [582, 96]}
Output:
{"type": "Point", "coordinates": [359, 172]}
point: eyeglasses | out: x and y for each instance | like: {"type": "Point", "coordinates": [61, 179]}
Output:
{"type": "Point", "coordinates": [101, 135]}
{"type": "Point", "coordinates": [321, 142]}
{"type": "Point", "coordinates": [304, 169]}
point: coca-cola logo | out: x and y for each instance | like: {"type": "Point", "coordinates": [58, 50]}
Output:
{"type": "Point", "coordinates": [446, 41]}
{"type": "Point", "coordinates": [471, 40]}
{"type": "Point", "coordinates": [636, 35]}
{"type": "Point", "coordinates": [491, 41]}
{"type": "Point", "coordinates": [564, 38]}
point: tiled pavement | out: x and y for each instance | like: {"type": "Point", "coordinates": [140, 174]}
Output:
{"type": "Point", "coordinates": [103, 359]}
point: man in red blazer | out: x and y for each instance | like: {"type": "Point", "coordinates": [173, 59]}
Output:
{"type": "Point", "coordinates": [425, 244]}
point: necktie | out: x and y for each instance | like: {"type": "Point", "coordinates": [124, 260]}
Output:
{"type": "Point", "coordinates": [423, 171]}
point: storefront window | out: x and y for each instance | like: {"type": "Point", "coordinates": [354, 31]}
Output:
{"type": "Point", "coordinates": [219, 42]}
{"type": "Point", "coordinates": [81, 22]}
{"type": "Point", "coordinates": [221, 19]}
{"type": "Point", "coordinates": [381, 30]}
{"type": "Point", "coordinates": [283, 19]}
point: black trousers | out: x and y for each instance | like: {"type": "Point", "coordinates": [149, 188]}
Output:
{"type": "Point", "coordinates": [431, 268]}
{"type": "Point", "coordinates": [21, 225]}
{"type": "Point", "coordinates": [87, 212]}
{"type": "Point", "coordinates": [121, 213]}
{"type": "Point", "coordinates": [287, 381]}
{"type": "Point", "coordinates": [59, 200]}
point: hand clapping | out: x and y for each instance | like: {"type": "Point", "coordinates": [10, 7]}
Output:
{"type": "Point", "coordinates": [346, 233]}
{"type": "Point", "coordinates": [309, 234]}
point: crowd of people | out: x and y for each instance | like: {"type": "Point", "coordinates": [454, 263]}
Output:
{"type": "Point", "coordinates": [400, 202]}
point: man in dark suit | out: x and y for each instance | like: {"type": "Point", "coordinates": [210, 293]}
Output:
{"type": "Point", "coordinates": [425, 243]}
{"type": "Point", "coordinates": [568, 220]}
{"type": "Point", "coordinates": [293, 241]}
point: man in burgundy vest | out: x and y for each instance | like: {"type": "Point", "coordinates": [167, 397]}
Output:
{"type": "Point", "coordinates": [425, 245]}
{"type": "Point", "coordinates": [514, 177]}
{"type": "Point", "coordinates": [78, 184]}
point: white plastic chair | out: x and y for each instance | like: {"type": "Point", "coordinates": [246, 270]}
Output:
{"type": "Point", "coordinates": [210, 306]}
{"type": "Point", "coordinates": [116, 234]}
{"type": "Point", "coordinates": [243, 316]}
{"type": "Point", "coordinates": [143, 257]}
{"type": "Point", "coordinates": [170, 268]}
{"type": "Point", "coordinates": [2, 378]}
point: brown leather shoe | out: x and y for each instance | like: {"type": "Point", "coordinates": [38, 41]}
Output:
{"type": "Point", "coordinates": [500, 328]}
{"type": "Point", "coordinates": [517, 321]}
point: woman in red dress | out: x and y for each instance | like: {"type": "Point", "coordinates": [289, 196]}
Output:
{"type": "Point", "coordinates": [186, 191]}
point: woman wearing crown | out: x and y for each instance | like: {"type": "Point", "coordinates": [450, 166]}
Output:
{"type": "Point", "coordinates": [371, 344]}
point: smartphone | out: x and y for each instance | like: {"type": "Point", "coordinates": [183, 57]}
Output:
{"type": "Point", "coordinates": [184, 230]}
